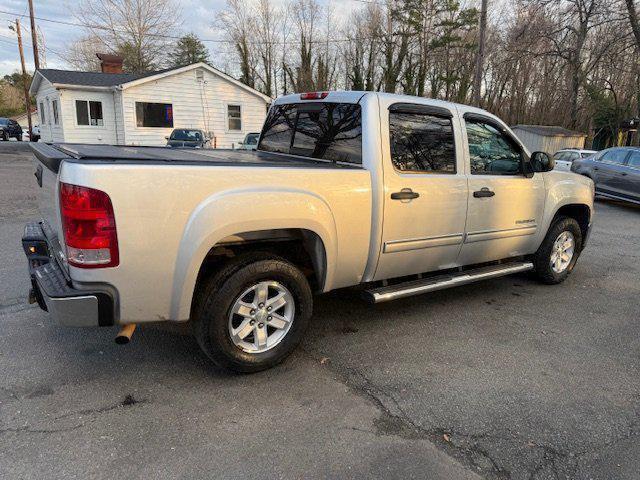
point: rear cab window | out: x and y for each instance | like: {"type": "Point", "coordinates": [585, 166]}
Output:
{"type": "Point", "coordinates": [321, 130]}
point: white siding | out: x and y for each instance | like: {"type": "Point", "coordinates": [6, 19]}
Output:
{"type": "Point", "coordinates": [49, 132]}
{"type": "Point", "coordinates": [195, 105]}
{"type": "Point", "coordinates": [74, 133]}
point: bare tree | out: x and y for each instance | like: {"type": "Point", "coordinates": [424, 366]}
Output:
{"type": "Point", "coordinates": [81, 54]}
{"type": "Point", "coordinates": [239, 23]}
{"type": "Point", "coordinates": [268, 23]}
{"type": "Point", "coordinates": [306, 15]}
{"type": "Point", "coordinates": [545, 61]}
{"type": "Point", "coordinates": [634, 21]}
{"type": "Point", "coordinates": [138, 30]}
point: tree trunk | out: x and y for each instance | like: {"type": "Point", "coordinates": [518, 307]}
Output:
{"type": "Point", "coordinates": [477, 78]}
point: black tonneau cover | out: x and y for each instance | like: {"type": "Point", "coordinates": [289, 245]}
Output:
{"type": "Point", "coordinates": [51, 155]}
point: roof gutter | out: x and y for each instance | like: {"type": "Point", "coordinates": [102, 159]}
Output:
{"type": "Point", "coordinates": [82, 87]}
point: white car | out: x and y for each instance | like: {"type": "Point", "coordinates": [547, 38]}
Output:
{"type": "Point", "coordinates": [345, 189]}
{"type": "Point", "coordinates": [565, 157]}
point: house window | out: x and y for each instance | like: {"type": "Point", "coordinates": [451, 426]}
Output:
{"type": "Point", "coordinates": [154, 115]}
{"type": "Point", "coordinates": [89, 113]}
{"type": "Point", "coordinates": [43, 118]}
{"type": "Point", "coordinates": [54, 107]}
{"type": "Point", "coordinates": [234, 118]}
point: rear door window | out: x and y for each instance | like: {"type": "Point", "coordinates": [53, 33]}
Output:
{"type": "Point", "coordinates": [329, 131]}
{"type": "Point", "coordinates": [615, 156]}
{"type": "Point", "coordinates": [634, 160]}
{"type": "Point", "coordinates": [422, 143]}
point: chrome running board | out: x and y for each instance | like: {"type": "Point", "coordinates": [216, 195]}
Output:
{"type": "Point", "coordinates": [440, 282]}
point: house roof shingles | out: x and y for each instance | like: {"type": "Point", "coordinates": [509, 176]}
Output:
{"type": "Point", "coordinates": [109, 80]}
{"type": "Point", "coordinates": [549, 130]}
{"type": "Point", "coordinates": [93, 79]}
{"type": "Point", "coordinates": [88, 79]}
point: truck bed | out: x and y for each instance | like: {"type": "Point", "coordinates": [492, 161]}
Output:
{"type": "Point", "coordinates": [51, 155]}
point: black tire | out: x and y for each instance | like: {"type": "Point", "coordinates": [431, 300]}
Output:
{"type": "Point", "coordinates": [19, 138]}
{"type": "Point", "coordinates": [3, 137]}
{"type": "Point", "coordinates": [542, 258]}
{"type": "Point", "coordinates": [216, 298]}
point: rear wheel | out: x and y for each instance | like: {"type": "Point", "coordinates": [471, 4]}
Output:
{"type": "Point", "coordinates": [559, 251]}
{"type": "Point", "coordinates": [253, 313]}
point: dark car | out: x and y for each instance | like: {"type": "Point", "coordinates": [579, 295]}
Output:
{"type": "Point", "coordinates": [10, 128]}
{"type": "Point", "coordinates": [188, 138]}
{"type": "Point", "coordinates": [615, 171]}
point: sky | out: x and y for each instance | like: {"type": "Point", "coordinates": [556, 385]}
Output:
{"type": "Point", "coordinates": [198, 17]}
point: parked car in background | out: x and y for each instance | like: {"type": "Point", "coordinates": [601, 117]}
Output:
{"type": "Point", "coordinates": [35, 133]}
{"type": "Point", "coordinates": [188, 138]}
{"type": "Point", "coordinates": [28, 138]}
{"type": "Point", "coordinates": [250, 142]}
{"type": "Point", "coordinates": [615, 171]}
{"type": "Point", "coordinates": [565, 157]}
{"type": "Point", "coordinates": [10, 129]}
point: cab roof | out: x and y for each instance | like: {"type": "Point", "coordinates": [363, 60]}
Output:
{"type": "Point", "coordinates": [354, 96]}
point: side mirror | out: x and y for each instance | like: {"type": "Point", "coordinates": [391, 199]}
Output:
{"type": "Point", "coordinates": [167, 137]}
{"type": "Point", "coordinates": [542, 162]}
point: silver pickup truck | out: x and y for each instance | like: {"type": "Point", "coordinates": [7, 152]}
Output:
{"type": "Point", "coordinates": [397, 195]}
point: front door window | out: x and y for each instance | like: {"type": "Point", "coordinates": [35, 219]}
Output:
{"type": "Point", "coordinates": [491, 151]}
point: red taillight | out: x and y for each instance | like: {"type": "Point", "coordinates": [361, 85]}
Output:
{"type": "Point", "coordinates": [313, 95]}
{"type": "Point", "coordinates": [89, 227]}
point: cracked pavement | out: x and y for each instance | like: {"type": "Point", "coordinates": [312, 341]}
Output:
{"type": "Point", "coordinates": [502, 379]}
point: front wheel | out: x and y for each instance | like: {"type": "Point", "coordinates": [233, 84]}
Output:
{"type": "Point", "coordinates": [253, 313]}
{"type": "Point", "coordinates": [559, 251]}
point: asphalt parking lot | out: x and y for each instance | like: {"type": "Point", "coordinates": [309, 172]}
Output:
{"type": "Point", "coordinates": [503, 379]}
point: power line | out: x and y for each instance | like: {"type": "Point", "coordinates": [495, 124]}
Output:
{"type": "Point", "coordinates": [212, 40]}
{"type": "Point", "coordinates": [13, 41]}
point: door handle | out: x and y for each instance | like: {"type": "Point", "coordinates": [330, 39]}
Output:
{"type": "Point", "coordinates": [596, 168]}
{"type": "Point", "coordinates": [404, 194]}
{"type": "Point", "coordinates": [624, 174]}
{"type": "Point", "coordinates": [483, 193]}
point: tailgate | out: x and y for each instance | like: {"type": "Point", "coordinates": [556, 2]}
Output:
{"type": "Point", "coordinates": [47, 166]}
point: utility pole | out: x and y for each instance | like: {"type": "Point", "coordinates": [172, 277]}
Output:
{"type": "Point", "coordinates": [482, 33]}
{"type": "Point", "coordinates": [27, 100]}
{"type": "Point", "coordinates": [34, 37]}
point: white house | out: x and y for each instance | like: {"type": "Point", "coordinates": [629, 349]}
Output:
{"type": "Point", "coordinates": [127, 109]}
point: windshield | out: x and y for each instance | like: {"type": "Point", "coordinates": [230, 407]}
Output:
{"type": "Point", "coordinates": [4, 121]}
{"type": "Point", "coordinates": [331, 131]}
{"type": "Point", "coordinates": [587, 154]}
{"type": "Point", "coordinates": [252, 139]}
{"type": "Point", "coordinates": [184, 135]}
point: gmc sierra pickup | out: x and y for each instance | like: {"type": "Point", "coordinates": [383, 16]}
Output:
{"type": "Point", "coordinates": [398, 195]}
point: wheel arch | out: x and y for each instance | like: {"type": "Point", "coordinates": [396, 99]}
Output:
{"type": "Point", "coordinates": [579, 212]}
{"type": "Point", "coordinates": [295, 225]}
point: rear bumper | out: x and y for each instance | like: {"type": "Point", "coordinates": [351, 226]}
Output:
{"type": "Point", "coordinates": [53, 290]}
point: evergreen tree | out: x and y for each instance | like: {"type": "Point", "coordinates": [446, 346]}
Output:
{"type": "Point", "coordinates": [189, 49]}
